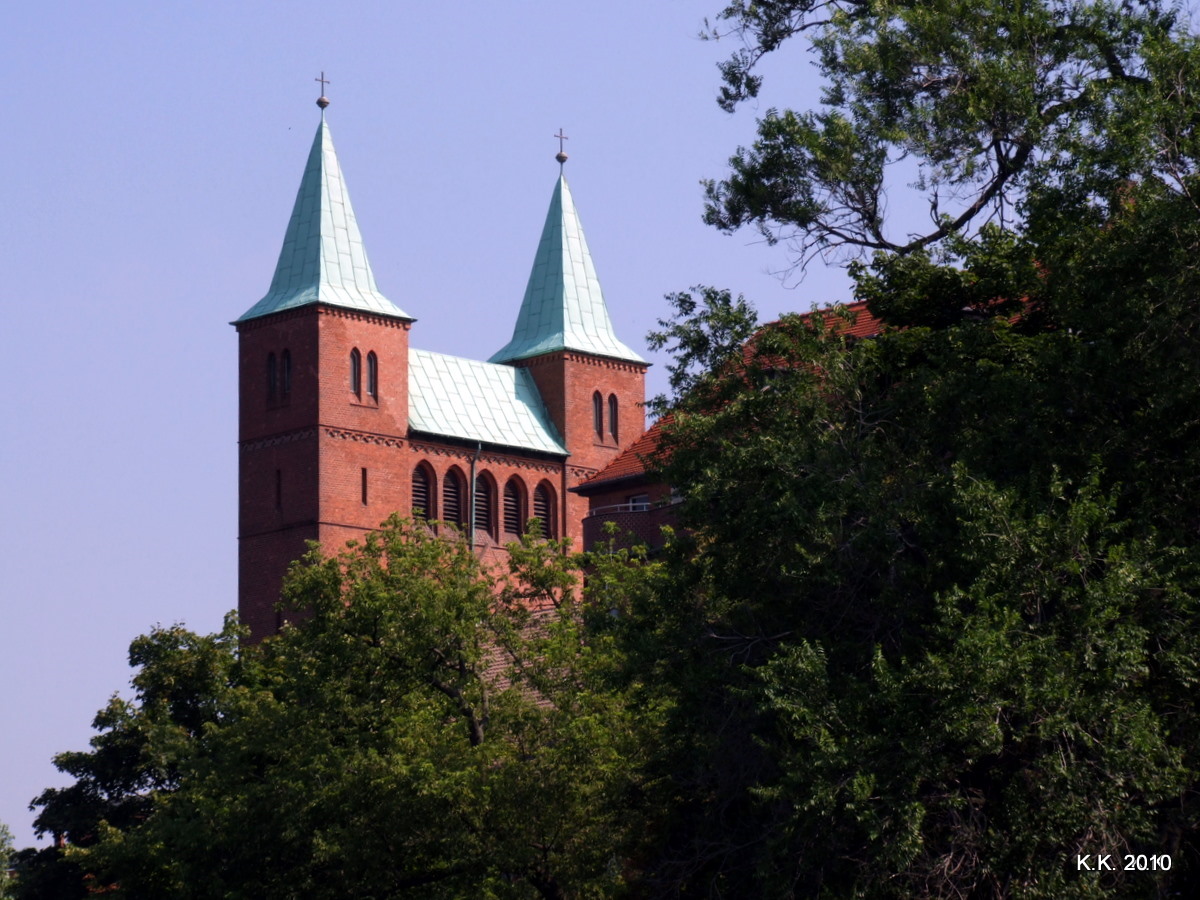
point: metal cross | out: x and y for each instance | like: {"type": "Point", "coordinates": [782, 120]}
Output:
{"type": "Point", "coordinates": [325, 82]}
{"type": "Point", "coordinates": [561, 137]}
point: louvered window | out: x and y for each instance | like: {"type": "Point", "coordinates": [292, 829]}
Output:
{"type": "Point", "coordinates": [420, 493]}
{"type": "Point", "coordinates": [372, 375]}
{"type": "Point", "coordinates": [543, 509]}
{"type": "Point", "coordinates": [355, 372]}
{"type": "Point", "coordinates": [483, 505]}
{"type": "Point", "coordinates": [452, 499]}
{"type": "Point", "coordinates": [286, 373]}
{"type": "Point", "coordinates": [612, 415]}
{"type": "Point", "coordinates": [598, 414]}
{"type": "Point", "coordinates": [512, 509]}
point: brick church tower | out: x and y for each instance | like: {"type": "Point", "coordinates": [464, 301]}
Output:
{"type": "Point", "coordinates": [341, 425]}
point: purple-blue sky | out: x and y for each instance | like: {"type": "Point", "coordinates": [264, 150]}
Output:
{"type": "Point", "coordinates": [151, 154]}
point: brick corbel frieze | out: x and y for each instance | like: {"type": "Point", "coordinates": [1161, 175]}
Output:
{"type": "Point", "coordinates": [363, 437]}
{"type": "Point", "coordinates": [465, 454]}
{"type": "Point", "coordinates": [275, 440]}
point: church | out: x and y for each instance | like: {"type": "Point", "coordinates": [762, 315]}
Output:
{"type": "Point", "coordinates": [342, 423]}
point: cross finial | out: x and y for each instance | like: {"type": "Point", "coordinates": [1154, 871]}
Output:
{"type": "Point", "coordinates": [323, 101]}
{"type": "Point", "coordinates": [560, 156]}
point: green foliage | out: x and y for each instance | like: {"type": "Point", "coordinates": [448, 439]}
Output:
{"type": "Point", "coordinates": [978, 102]}
{"type": "Point", "coordinates": [6, 860]}
{"type": "Point", "coordinates": [426, 727]}
{"type": "Point", "coordinates": [932, 630]}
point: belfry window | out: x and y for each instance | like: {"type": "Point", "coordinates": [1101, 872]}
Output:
{"type": "Point", "coordinates": [285, 373]}
{"type": "Point", "coordinates": [483, 504]}
{"type": "Point", "coordinates": [421, 488]}
{"type": "Point", "coordinates": [543, 509]}
{"type": "Point", "coordinates": [612, 415]}
{"type": "Point", "coordinates": [452, 498]}
{"type": "Point", "coordinates": [598, 414]}
{"type": "Point", "coordinates": [356, 372]}
{"type": "Point", "coordinates": [513, 521]}
{"type": "Point", "coordinates": [372, 376]}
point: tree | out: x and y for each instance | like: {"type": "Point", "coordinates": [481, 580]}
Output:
{"type": "Point", "coordinates": [973, 103]}
{"type": "Point", "coordinates": [931, 625]}
{"type": "Point", "coordinates": [933, 630]}
{"type": "Point", "coordinates": [6, 860]}
{"type": "Point", "coordinates": [424, 728]}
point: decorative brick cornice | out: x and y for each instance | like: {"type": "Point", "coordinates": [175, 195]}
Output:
{"type": "Point", "coordinates": [321, 309]}
{"type": "Point", "coordinates": [358, 315]}
{"type": "Point", "coordinates": [363, 437]}
{"type": "Point", "coordinates": [465, 454]}
{"type": "Point", "coordinates": [600, 362]}
{"type": "Point", "coordinates": [275, 440]}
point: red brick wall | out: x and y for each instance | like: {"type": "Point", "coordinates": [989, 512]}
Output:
{"type": "Point", "coordinates": [303, 455]}
{"type": "Point", "coordinates": [644, 525]}
{"type": "Point", "coordinates": [302, 452]}
{"type": "Point", "coordinates": [567, 382]}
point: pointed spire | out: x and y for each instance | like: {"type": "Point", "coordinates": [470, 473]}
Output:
{"type": "Point", "coordinates": [323, 259]}
{"type": "Point", "coordinates": [563, 308]}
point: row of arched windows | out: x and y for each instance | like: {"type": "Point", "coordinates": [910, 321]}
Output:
{"type": "Point", "coordinates": [279, 376]}
{"type": "Point", "coordinates": [356, 374]}
{"type": "Point", "coordinates": [451, 502]}
{"type": "Point", "coordinates": [598, 415]}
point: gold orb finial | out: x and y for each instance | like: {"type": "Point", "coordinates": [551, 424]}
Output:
{"type": "Point", "coordinates": [323, 101]}
{"type": "Point", "coordinates": [560, 155]}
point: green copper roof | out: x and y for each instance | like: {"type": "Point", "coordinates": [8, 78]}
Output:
{"type": "Point", "coordinates": [478, 401]}
{"type": "Point", "coordinates": [323, 259]}
{"type": "Point", "coordinates": [563, 307]}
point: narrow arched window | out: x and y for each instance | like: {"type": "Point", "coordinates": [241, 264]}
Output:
{"type": "Point", "coordinates": [598, 414]}
{"type": "Point", "coordinates": [421, 491]}
{"type": "Point", "coordinates": [452, 498]}
{"type": "Point", "coordinates": [272, 376]}
{"type": "Point", "coordinates": [543, 509]}
{"type": "Point", "coordinates": [612, 415]}
{"type": "Point", "coordinates": [285, 379]}
{"type": "Point", "coordinates": [372, 375]}
{"type": "Point", "coordinates": [483, 504]}
{"type": "Point", "coordinates": [356, 372]}
{"type": "Point", "coordinates": [514, 522]}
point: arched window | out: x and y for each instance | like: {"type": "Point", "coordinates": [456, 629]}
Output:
{"type": "Point", "coordinates": [372, 375]}
{"type": "Point", "coordinates": [543, 508]}
{"type": "Point", "coordinates": [356, 372]}
{"type": "Point", "coordinates": [514, 521]}
{"type": "Point", "coordinates": [598, 414]}
{"type": "Point", "coordinates": [422, 493]}
{"type": "Point", "coordinates": [272, 377]}
{"type": "Point", "coordinates": [285, 379]}
{"type": "Point", "coordinates": [452, 498]}
{"type": "Point", "coordinates": [483, 504]}
{"type": "Point", "coordinates": [612, 415]}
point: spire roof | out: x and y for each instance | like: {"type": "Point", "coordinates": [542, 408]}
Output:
{"type": "Point", "coordinates": [323, 259]}
{"type": "Point", "coordinates": [563, 308]}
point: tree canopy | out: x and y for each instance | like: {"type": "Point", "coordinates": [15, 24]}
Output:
{"type": "Point", "coordinates": [929, 627]}
{"type": "Point", "coordinates": [968, 105]}
{"type": "Point", "coordinates": [425, 730]}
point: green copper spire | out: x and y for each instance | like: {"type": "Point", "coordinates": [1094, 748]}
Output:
{"type": "Point", "coordinates": [323, 259]}
{"type": "Point", "coordinates": [563, 307]}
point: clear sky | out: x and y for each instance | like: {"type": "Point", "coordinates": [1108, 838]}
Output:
{"type": "Point", "coordinates": [151, 153]}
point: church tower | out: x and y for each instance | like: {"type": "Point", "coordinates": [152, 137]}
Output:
{"type": "Point", "coordinates": [341, 424]}
{"type": "Point", "coordinates": [592, 384]}
{"type": "Point", "coordinates": [323, 394]}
